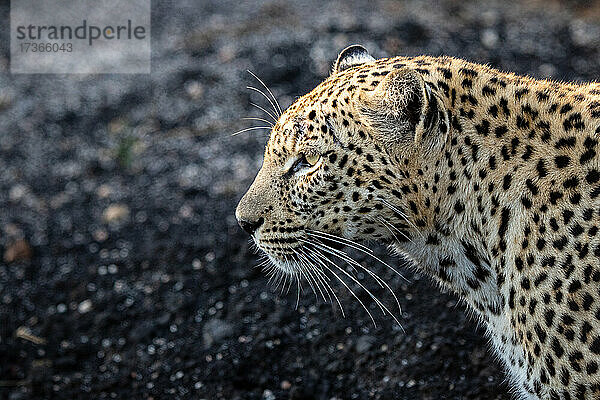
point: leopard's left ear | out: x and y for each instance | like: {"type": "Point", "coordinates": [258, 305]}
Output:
{"type": "Point", "coordinates": [402, 109]}
{"type": "Point", "coordinates": [351, 56]}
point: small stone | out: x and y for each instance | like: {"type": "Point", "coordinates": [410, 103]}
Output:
{"type": "Point", "coordinates": [85, 306]}
{"type": "Point", "coordinates": [582, 33]}
{"type": "Point", "coordinates": [104, 191]}
{"type": "Point", "coordinates": [286, 385]}
{"type": "Point", "coordinates": [364, 343]}
{"type": "Point", "coordinates": [100, 235]}
{"type": "Point", "coordinates": [17, 192]}
{"type": "Point", "coordinates": [268, 395]}
{"type": "Point", "coordinates": [547, 70]}
{"type": "Point", "coordinates": [194, 89]}
{"type": "Point", "coordinates": [115, 213]}
{"type": "Point", "coordinates": [215, 331]}
{"type": "Point", "coordinates": [489, 38]}
{"type": "Point", "coordinates": [18, 251]}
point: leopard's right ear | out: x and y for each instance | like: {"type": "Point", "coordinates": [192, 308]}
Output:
{"type": "Point", "coordinates": [351, 56]}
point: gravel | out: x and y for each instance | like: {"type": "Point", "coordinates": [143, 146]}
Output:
{"type": "Point", "coordinates": [124, 274]}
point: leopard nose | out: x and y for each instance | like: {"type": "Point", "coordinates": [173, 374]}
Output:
{"type": "Point", "coordinates": [251, 226]}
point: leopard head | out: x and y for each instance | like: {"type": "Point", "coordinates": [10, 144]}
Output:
{"type": "Point", "coordinates": [343, 163]}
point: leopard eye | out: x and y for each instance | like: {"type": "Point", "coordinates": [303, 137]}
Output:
{"type": "Point", "coordinates": [303, 162]}
{"type": "Point", "coordinates": [312, 159]}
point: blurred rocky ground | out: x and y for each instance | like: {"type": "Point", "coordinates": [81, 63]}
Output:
{"type": "Point", "coordinates": [123, 273]}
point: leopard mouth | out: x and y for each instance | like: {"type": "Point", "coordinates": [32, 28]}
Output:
{"type": "Point", "coordinates": [313, 259]}
{"type": "Point", "coordinates": [292, 253]}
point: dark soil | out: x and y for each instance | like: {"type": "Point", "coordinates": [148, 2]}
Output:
{"type": "Point", "coordinates": [123, 271]}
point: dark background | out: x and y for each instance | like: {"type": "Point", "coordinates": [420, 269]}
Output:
{"type": "Point", "coordinates": [123, 273]}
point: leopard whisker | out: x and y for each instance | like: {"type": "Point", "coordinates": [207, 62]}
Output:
{"type": "Point", "coordinates": [382, 283]}
{"type": "Point", "coordinates": [268, 90]}
{"type": "Point", "coordinates": [251, 129]}
{"type": "Point", "coordinates": [265, 96]}
{"type": "Point", "coordinates": [346, 241]}
{"type": "Point", "coordinates": [299, 286]}
{"type": "Point", "coordinates": [313, 271]}
{"type": "Point", "coordinates": [309, 272]}
{"type": "Point", "coordinates": [322, 257]}
{"type": "Point", "coordinates": [389, 225]}
{"type": "Point", "coordinates": [304, 273]}
{"type": "Point", "coordinates": [265, 111]}
{"type": "Point", "coordinates": [260, 119]}
{"type": "Point", "coordinates": [325, 280]}
{"type": "Point", "coordinates": [401, 214]}
{"type": "Point", "coordinates": [356, 246]}
{"type": "Point", "coordinates": [383, 307]}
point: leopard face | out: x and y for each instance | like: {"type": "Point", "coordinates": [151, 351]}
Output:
{"type": "Point", "coordinates": [333, 168]}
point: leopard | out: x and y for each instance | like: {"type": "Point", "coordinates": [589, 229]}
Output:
{"type": "Point", "coordinates": [486, 181]}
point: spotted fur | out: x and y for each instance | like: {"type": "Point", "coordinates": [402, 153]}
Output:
{"type": "Point", "coordinates": [498, 176]}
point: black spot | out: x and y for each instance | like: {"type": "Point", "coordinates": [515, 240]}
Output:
{"type": "Point", "coordinates": [595, 346]}
{"type": "Point", "coordinates": [468, 72]}
{"type": "Point", "coordinates": [540, 333]}
{"type": "Point", "coordinates": [506, 181]}
{"type": "Point", "coordinates": [571, 182]}
{"type": "Point", "coordinates": [471, 253]}
{"type": "Point", "coordinates": [591, 368]}
{"type": "Point", "coordinates": [541, 169]}
{"type": "Point", "coordinates": [592, 176]}
{"type": "Point", "coordinates": [560, 243]}
{"type": "Point", "coordinates": [504, 219]}
{"type": "Point", "coordinates": [494, 111]}
{"type": "Point", "coordinates": [549, 317]}
{"type": "Point", "coordinates": [566, 108]}
{"type": "Point", "coordinates": [541, 243]}
{"type": "Point", "coordinates": [528, 152]}
{"type": "Point", "coordinates": [576, 230]}
{"type": "Point", "coordinates": [483, 128]}
{"type": "Point", "coordinates": [531, 186]}
{"type": "Point", "coordinates": [562, 161]}
{"type": "Point", "coordinates": [500, 130]}
{"type": "Point", "coordinates": [492, 163]}
{"type": "Point", "coordinates": [520, 92]}
{"type": "Point", "coordinates": [433, 239]}
{"type": "Point", "coordinates": [587, 156]}
{"type": "Point", "coordinates": [488, 91]}
{"type": "Point", "coordinates": [459, 207]}
{"type": "Point", "coordinates": [555, 196]}
{"type": "Point", "coordinates": [573, 122]}
{"type": "Point", "coordinates": [522, 123]}
{"type": "Point", "coordinates": [541, 96]}
{"type": "Point", "coordinates": [565, 142]}
{"type": "Point", "coordinates": [557, 348]}
{"type": "Point", "coordinates": [446, 72]}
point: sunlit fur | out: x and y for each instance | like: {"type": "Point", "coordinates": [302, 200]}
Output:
{"type": "Point", "coordinates": [488, 182]}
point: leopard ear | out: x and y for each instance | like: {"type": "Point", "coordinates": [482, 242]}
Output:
{"type": "Point", "coordinates": [401, 109]}
{"type": "Point", "coordinates": [351, 56]}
